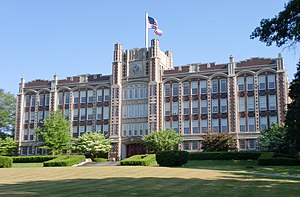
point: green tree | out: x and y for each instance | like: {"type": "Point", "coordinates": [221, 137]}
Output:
{"type": "Point", "coordinates": [283, 28]}
{"type": "Point", "coordinates": [273, 139]}
{"type": "Point", "coordinates": [7, 113]}
{"type": "Point", "coordinates": [8, 146]}
{"type": "Point", "coordinates": [92, 144]}
{"type": "Point", "coordinates": [55, 133]}
{"type": "Point", "coordinates": [218, 142]}
{"type": "Point", "coordinates": [292, 119]}
{"type": "Point", "coordinates": [162, 140]}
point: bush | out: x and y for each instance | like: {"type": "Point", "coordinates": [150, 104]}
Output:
{"type": "Point", "coordinates": [172, 158]}
{"type": "Point", "coordinates": [271, 159]}
{"type": "Point", "coordinates": [99, 159]}
{"type": "Point", "coordinates": [64, 161]}
{"type": "Point", "coordinates": [5, 162]}
{"type": "Point", "coordinates": [224, 155]}
{"type": "Point", "coordinates": [218, 142]}
{"type": "Point", "coordinates": [138, 160]}
{"type": "Point", "coordinates": [32, 159]}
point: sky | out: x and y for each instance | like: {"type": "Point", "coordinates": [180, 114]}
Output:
{"type": "Point", "coordinates": [70, 37]}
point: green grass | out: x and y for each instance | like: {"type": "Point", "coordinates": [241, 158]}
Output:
{"type": "Point", "coordinates": [139, 181]}
{"type": "Point", "coordinates": [27, 165]}
{"type": "Point", "coordinates": [241, 165]}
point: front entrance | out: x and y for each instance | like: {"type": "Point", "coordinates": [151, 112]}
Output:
{"type": "Point", "coordinates": [135, 149]}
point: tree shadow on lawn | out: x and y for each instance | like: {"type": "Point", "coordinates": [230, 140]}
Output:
{"type": "Point", "coordinates": [227, 185]}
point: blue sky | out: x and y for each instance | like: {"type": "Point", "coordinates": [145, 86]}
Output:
{"type": "Point", "coordinates": [72, 37]}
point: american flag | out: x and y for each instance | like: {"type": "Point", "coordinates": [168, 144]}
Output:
{"type": "Point", "coordinates": [158, 32]}
{"type": "Point", "coordinates": [153, 24]}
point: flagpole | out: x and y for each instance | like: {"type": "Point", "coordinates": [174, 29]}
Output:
{"type": "Point", "coordinates": [146, 30]}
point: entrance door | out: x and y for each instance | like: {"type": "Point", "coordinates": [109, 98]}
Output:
{"type": "Point", "coordinates": [135, 149]}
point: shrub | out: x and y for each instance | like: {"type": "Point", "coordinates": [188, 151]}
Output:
{"type": "Point", "coordinates": [270, 159]}
{"type": "Point", "coordinates": [64, 161]}
{"type": "Point", "coordinates": [172, 158]}
{"type": "Point", "coordinates": [99, 159]}
{"type": "Point", "coordinates": [5, 162]}
{"type": "Point", "coordinates": [224, 155]}
{"type": "Point", "coordinates": [218, 142]}
{"type": "Point", "coordinates": [32, 159]}
{"type": "Point", "coordinates": [138, 160]}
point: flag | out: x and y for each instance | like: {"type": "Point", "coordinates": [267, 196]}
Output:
{"type": "Point", "coordinates": [152, 23]}
{"type": "Point", "coordinates": [158, 32]}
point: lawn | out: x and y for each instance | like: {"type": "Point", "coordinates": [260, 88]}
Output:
{"type": "Point", "coordinates": [27, 165]}
{"type": "Point", "coordinates": [242, 165]}
{"type": "Point", "coordinates": [139, 181]}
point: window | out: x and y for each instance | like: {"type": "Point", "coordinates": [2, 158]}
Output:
{"type": "Point", "coordinates": [214, 86]}
{"type": "Point", "coordinates": [194, 87]}
{"type": "Point", "coordinates": [74, 131]}
{"type": "Point", "coordinates": [195, 145]}
{"type": "Point", "coordinates": [167, 109]}
{"type": "Point", "coordinates": [130, 111]}
{"type": "Point", "coordinates": [27, 101]}
{"type": "Point", "coordinates": [141, 93]}
{"type": "Point", "coordinates": [215, 125]}
{"type": "Point", "coordinates": [135, 111]}
{"type": "Point", "coordinates": [272, 102]}
{"type": "Point", "coordinates": [67, 113]}
{"type": "Point", "coordinates": [41, 99]}
{"type": "Point", "coordinates": [124, 129]}
{"type": "Point", "coordinates": [223, 105]}
{"type": "Point", "coordinates": [89, 113]}
{"type": "Point", "coordinates": [115, 109]}
{"type": "Point", "coordinates": [46, 115]}
{"type": "Point", "coordinates": [32, 117]}
{"type": "Point", "coordinates": [146, 128]}
{"type": "Point", "coordinates": [83, 97]}
{"type": "Point", "coordinates": [186, 145]}
{"type": "Point", "coordinates": [26, 117]}
{"type": "Point", "coordinates": [250, 103]}
{"type": "Point", "coordinates": [175, 108]}
{"type": "Point", "coordinates": [250, 83]}
{"type": "Point", "coordinates": [167, 90]}
{"type": "Point", "coordinates": [32, 100]}
{"type": "Point", "coordinates": [115, 129]}
{"type": "Point", "coordinates": [90, 96]}
{"type": "Point", "coordinates": [130, 130]}
{"type": "Point", "coordinates": [224, 127]}
{"type": "Point", "coordinates": [186, 127]}
{"type": "Point", "coordinates": [214, 105]}
{"type": "Point", "coordinates": [106, 95]}
{"type": "Point", "coordinates": [125, 94]}
{"type": "Point", "coordinates": [31, 134]}
{"type": "Point", "coordinates": [153, 90]}
{"type": "Point", "coordinates": [263, 123]}
{"type": "Point", "coordinates": [25, 136]}
{"type": "Point", "coordinates": [99, 113]}
{"type": "Point", "coordinates": [175, 126]}
{"type": "Point", "coordinates": [175, 89]}
{"type": "Point", "coordinates": [186, 88]}
{"type": "Point", "coordinates": [271, 82]}
{"type": "Point", "coordinates": [124, 111]}
{"type": "Point", "coordinates": [40, 116]}
{"type": "Point", "coordinates": [130, 94]}
{"type": "Point", "coordinates": [186, 108]}
{"type": "Point", "coordinates": [106, 113]}
{"type": "Point", "coordinates": [82, 114]}
{"type": "Point", "coordinates": [262, 82]}
{"type": "Point", "coordinates": [203, 87]}
{"type": "Point", "coordinates": [195, 126]}
{"type": "Point", "coordinates": [146, 110]}
{"type": "Point", "coordinates": [241, 84]}
{"type": "Point", "coordinates": [223, 85]}
{"type": "Point", "coordinates": [251, 124]}
{"type": "Point", "coordinates": [89, 128]}
{"type": "Point", "coordinates": [116, 90]}
{"type": "Point", "coordinates": [99, 95]}
{"type": "Point", "coordinates": [136, 93]}
{"type": "Point", "coordinates": [273, 120]}
{"type": "Point", "coordinates": [47, 99]}
{"type": "Point", "coordinates": [252, 144]}
{"type": "Point", "coordinates": [141, 110]}
{"type": "Point", "coordinates": [242, 125]}
{"type": "Point", "coordinates": [203, 106]}
{"type": "Point", "coordinates": [105, 129]}
{"type": "Point", "coordinates": [241, 104]}
{"type": "Point", "coordinates": [204, 128]}
{"type": "Point", "coordinates": [152, 108]}
{"type": "Point", "coordinates": [67, 97]}
{"type": "Point", "coordinates": [146, 92]}
{"type": "Point", "coordinates": [141, 129]}
{"type": "Point", "coordinates": [75, 96]}
{"type": "Point", "coordinates": [195, 107]}
{"type": "Point", "coordinates": [81, 130]}
{"type": "Point", "coordinates": [242, 144]}
{"type": "Point", "coordinates": [98, 128]}
{"type": "Point", "coordinates": [167, 125]}
{"type": "Point", "coordinates": [262, 103]}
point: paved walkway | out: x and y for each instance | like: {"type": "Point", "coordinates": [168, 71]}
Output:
{"type": "Point", "coordinates": [109, 163]}
{"type": "Point", "coordinates": [264, 174]}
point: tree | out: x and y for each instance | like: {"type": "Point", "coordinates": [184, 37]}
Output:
{"type": "Point", "coordinates": [292, 119]}
{"type": "Point", "coordinates": [162, 140]}
{"type": "Point", "coordinates": [218, 142]}
{"type": "Point", "coordinates": [8, 146]}
{"type": "Point", "coordinates": [92, 144]}
{"type": "Point", "coordinates": [7, 113]}
{"type": "Point", "coordinates": [282, 28]}
{"type": "Point", "coordinates": [273, 139]}
{"type": "Point", "coordinates": [55, 133]}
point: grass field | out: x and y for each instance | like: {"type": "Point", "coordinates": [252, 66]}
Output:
{"type": "Point", "coordinates": [27, 165]}
{"type": "Point", "coordinates": [139, 181]}
{"type": "Point", "coordinates": [242, 165]}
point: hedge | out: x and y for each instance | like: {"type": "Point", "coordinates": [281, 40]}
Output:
{"type": "Point", "coordinates": [64, 161]}
{"type": "Point", "coordinates": [32, 159]}
{"type": "Point", "coordinates": [224, 155]}
{"type": "Point", "coordinates": [271, 159]}
{"type": "Point", "coordinates": [138, 160]}
{"type": "Point", "coordinates": [172, 158]}
{"type": "Point", "coordinates": [99, 159]}
{"type": "Point", "coordinates": [5, 162]}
